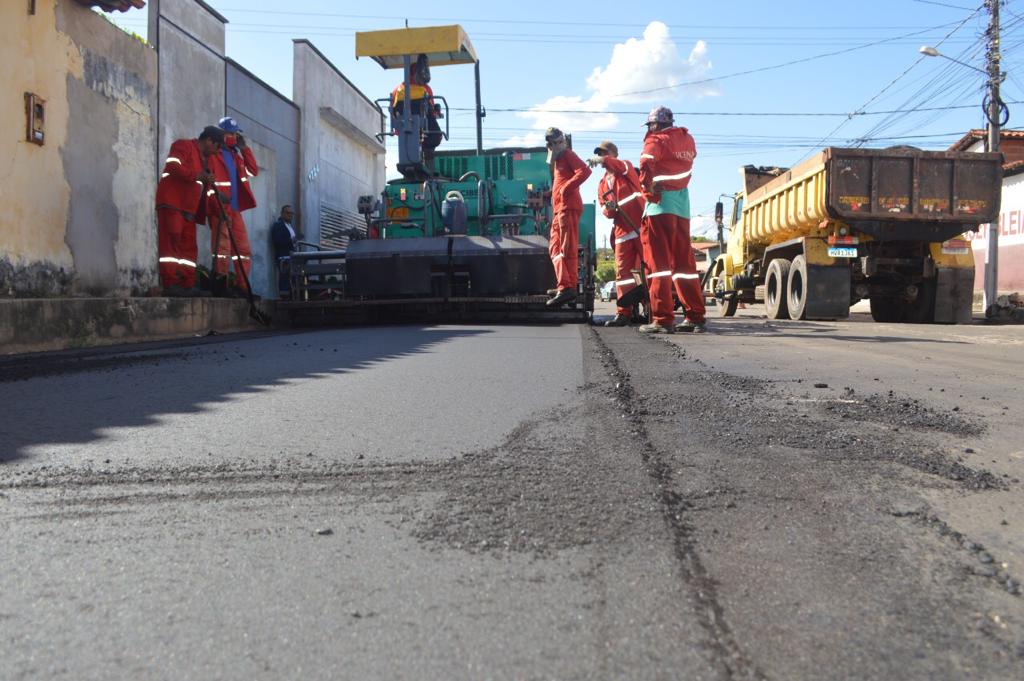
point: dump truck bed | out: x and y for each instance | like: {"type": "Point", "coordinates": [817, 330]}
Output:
{"type": "Point", "coordinates": [952, 191]}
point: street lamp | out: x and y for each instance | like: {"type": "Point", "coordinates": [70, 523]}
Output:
{"type": "Point", "coordinates": [932, 52]}
{"type": "Point", "coordinates": [994, 110]}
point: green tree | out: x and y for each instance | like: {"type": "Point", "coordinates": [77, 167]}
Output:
{"type": "Point", "coordinates": [605, 271]}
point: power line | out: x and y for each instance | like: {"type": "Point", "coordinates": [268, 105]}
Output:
{"type": "Point", "coordinates": [765, 114]}
{"type": "Point", "coordinates": [603, 24]}
{"type": "Point", "coordinates": [943, 4]}
{"type": "Point", "coordinates": [760, 40]}
{"type": "Point", "coordinates": [893, 82]}
{"type": "Point", "coordinates": [951, 76]}
{"type": "Point", "coordinates": [779, 66]}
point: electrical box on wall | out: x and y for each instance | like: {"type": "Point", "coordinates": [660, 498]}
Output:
{"type": "Point", "coordinates": [35, 117]}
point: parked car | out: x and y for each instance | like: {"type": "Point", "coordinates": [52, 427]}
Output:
{"type": "Point", "coordinates": [608, 291]}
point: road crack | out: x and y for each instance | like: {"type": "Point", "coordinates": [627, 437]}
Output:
{"type": "Point", "coordinates": [676, 510]}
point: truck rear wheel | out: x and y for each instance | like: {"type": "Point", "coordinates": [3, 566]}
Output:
{"type": "Point", "coordinates": [921, 310]}
{"type": "Point", "coordinates": [818, 291]}
{"type": "Point", "coordinates": [775, 289]}
{"type": "Point", "coordinates": [797, 289]}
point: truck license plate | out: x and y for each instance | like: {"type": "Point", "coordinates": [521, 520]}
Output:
{"type": "Point", "coordinates": [842, 251]}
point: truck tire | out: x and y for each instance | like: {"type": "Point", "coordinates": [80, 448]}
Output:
{"type": "Point", "coordinates": [887, 310]}
{"type": "Point", "coordinates": [897, 310]}
{"type": "Point", "coordinates": [797, 288]}
{"type": "Point", "coordinates": [776, 292]}
{"type": "Point", "coordinates": [921, 310]}
{"type": "Point", "coordinates": [724, 303]}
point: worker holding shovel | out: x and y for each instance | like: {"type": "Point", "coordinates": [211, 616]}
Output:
{"type": "Point", "coordinates": [622, 200]}
{"type": "Point", "coordinates": [232, 168]}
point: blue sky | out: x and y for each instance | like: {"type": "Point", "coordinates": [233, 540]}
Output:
{"type": "Point", "coordinates": [756, 82]}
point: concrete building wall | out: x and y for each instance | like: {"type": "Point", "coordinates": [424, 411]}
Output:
{"type": "Point", "coordinates": [189, 38]}
{"type": "Point", "coordinates": [341, 159]}
{"type": "Point", "coordinates": [263, 277]}
{"type": "Point", "coordinates": [1011, 240]}
{"type": "Point", "coordinates": [78, 214]}
{"type": "Point", "coordinates": [271, 124]}
{"type": "Point", "coordinates": [198, 86]}
{"type": "Point", "coordinates": [1011, 226]}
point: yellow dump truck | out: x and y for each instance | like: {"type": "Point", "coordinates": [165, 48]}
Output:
{"type": "Point", "coordinates": [854, 224]}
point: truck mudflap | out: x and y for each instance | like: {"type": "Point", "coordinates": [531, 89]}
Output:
{"type": "Point", "coordinates": [954, 295]}
{"type": "Point", "coordinates": [828, 292]}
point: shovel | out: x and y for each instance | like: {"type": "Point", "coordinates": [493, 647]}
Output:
{"type": "Point", "coordinates": [225, 222]}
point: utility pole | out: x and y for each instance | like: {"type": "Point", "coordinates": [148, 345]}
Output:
{"type": "Point", "coordinates": [995, 106]}
{"type": "Point", "coordinates": [479, 111]}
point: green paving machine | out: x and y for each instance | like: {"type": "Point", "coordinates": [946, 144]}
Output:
{"type": "Point", "coordinates": [462, 235]}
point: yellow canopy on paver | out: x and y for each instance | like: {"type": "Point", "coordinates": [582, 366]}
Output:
{"type": "Point", "coordinates": [443, 45]}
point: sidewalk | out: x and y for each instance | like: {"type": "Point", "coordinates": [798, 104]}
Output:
{"type": "Point", "coordinates": [41, 324]}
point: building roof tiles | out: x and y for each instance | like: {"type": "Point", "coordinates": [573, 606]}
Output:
{"type": "Point", "coordinates": [114, 5]}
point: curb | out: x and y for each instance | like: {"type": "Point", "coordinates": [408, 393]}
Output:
{"type": "Point", "coordinates": [44, 324]}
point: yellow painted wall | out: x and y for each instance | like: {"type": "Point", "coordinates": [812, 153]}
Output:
{"type": "Point", "coordinates": [34, 194]}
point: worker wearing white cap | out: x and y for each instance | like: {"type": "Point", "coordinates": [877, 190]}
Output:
{"type": "Point", "coordinates": [569, 172]}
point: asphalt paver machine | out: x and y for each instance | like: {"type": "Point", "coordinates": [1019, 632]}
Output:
{"type": "Point", "coordinates": [462, 235]}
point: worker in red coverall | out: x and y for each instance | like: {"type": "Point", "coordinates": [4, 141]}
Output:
{"type": "Point", "coordinates": [625, 205]}
{"type": "Point", "coordinates": [665, 166]}
{"type": "Point", "coordinates": [569, 173]}
{"type": "Point", "coordinates": [180, 205]}
{"type": "Point", "coordinates": [232, 168]}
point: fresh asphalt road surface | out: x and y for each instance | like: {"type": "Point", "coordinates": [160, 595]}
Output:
{"type": "Point", "coordinates": [808, 500]}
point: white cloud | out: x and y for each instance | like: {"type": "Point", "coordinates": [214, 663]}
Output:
{"type": "Point", "coordinates": [651, 62]}
{"type": "Point", "coordinates": [561, 112]}
{"type": "Point", "coordinates": [530, 139]}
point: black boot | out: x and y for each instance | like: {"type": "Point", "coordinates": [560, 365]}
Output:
{"type": "Point", "coordinates": [566, 295]}
{"type": "Point", "coordinates": [618, 320]}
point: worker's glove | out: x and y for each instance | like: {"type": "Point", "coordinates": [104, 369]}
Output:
{"type": "Point", "coordinates": [240, 141]}
{"type": "Point", "coordinates": [611, 205]}
{"type": "Point", "coordinates": [595, 161]}
{"type": "Point", "coordinates": [205, 178]}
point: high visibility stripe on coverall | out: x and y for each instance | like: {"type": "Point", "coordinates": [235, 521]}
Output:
{"type": "Point", "coordinates": [621, 178]}
{"type": "Point", "coordinates": [220, 239]}
{"type": "Point", "coordinates": [179, 199]}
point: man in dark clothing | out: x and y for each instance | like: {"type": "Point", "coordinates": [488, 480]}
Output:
{"type": "Point", "coordinates": [285, 242]}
